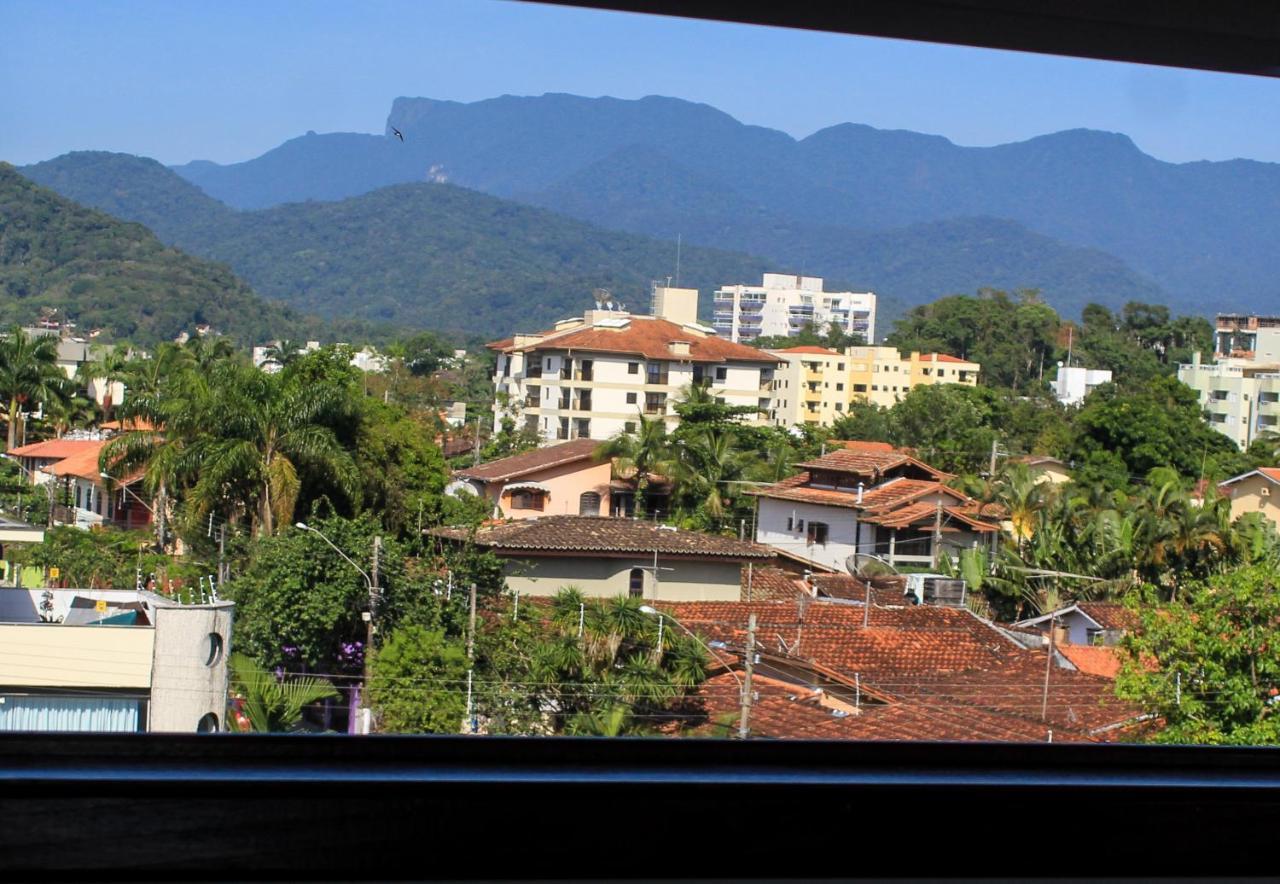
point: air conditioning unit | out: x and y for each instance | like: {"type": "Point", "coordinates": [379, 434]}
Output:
{"type": "Point", "coordinates": [936, 589]}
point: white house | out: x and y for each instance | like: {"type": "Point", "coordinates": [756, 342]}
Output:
{"type": "Point", "coordinates": [1074, 383]}
{"type": "Point", "coordinates": [869, 499]}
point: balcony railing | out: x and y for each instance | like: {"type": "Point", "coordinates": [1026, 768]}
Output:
{"type": "Point", "coordinates": [534, 370]}
{"type": "Point", "coordinates": [532, 401]}
{"type": "Point", "coordinates": [658, 378]}
{"type": "Point", "coordinates": [582, 403]}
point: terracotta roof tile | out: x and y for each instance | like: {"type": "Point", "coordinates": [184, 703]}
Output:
{"type": "Point", "coordinates": [55, 449]}
{"type": "Point", "coordinates": [866, 462]}
{"type": "Point", "coordinates": [1109, 615]}
{"type": "Point", "coordinates": [587, 534]}
{"type": "Point", "coordinates": [1093, 660]}
{"type": "Point", "coordinates": [771, 584]}
{"type": "Point", "coordinates": [649, 337]}
{"type": "Point", "coordinates": [534, 461]}
{"type": "Point", "coordinates": [943, 357]}
{"type": "Point", "coordinates": [859, 445]}
{"type": "Point", "coordinates": [817, 351]}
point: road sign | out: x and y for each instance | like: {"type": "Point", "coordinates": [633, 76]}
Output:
{"type": "Point", "coordinates": [54, 573]}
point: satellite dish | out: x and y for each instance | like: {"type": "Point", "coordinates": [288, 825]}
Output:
{"type": "Point", "coordinates": [866, 566]}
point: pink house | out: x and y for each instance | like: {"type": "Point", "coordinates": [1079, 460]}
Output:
{"type": "Point", "coordinates": [558, 480]}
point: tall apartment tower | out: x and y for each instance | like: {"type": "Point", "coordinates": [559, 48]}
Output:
{"type": "Point", "coordinates": [784, 304]}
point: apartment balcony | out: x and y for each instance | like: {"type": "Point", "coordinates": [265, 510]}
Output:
{"type": "Point", "coordinates": [584, 374]}
{"type": "Point", "coordinates": [812, 377]}
{"type": "Point", "coordinates": [533, 400]}
{"type": "Point", "coordinates": [534, 370]}
{"type": "Point", "coordinates": [582, 403]}
{"type": "Point", "coordinates": [657, 379]}
{"type": "Point", "coordinates": [564, 404]}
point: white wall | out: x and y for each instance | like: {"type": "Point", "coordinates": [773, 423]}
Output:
{"type": "Point", "coordinates": [771, 529]}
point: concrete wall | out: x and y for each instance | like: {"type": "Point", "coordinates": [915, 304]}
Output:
{"type": "Point", "coordinates": [189, 680]}
{"type": "Point", "coordinates": [771, 529]}
{"type": "Point", "coordinates": [54, 655]}
{"type": "Point", "coordinates": [607, 577]}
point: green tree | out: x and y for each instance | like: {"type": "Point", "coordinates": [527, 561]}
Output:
{"type": "Point", "coordinates": [29, 375]}
{"type": "Point", "coordinates": [418, 682]}
{"type": "Point", "coordinates": [1209, 668]}
{"type": "Point", "coordinates": [274, 704]}
{"type": "Point", "coordinates": [639, 455]}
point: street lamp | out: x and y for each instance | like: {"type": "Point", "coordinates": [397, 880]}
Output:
{"type": "Point", "coordinates": [744, 687]}
{"type": "Point", "coordinates": [372, 584]}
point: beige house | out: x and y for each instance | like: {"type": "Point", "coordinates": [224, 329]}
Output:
{"type": "Point", "coordinates": [814, 385]}
{"type": "Point", "coordinates": [605, 558]}
{"type": "Point", "coordinates": [111, 660]}
{"type": "Point", "coordinates": [1044, 468]}
{"type": "Point", "coordinates": [1257, 491]}
{"type": "Point", "coordinates": [811, 386]}
{"type": "Point", "coordinates": [560, 479]}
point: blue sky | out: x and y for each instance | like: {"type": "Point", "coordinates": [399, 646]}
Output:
{"type": "Point", "coordinates": [227, 80]}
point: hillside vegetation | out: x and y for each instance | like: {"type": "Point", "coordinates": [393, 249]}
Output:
{"type": "Point", "coordinates": [117, 276]}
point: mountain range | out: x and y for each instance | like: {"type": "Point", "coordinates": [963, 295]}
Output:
{"type": "Point", "coordinates": [1198, 235]}
{"type": "Point", "coordinates": [117, 277]}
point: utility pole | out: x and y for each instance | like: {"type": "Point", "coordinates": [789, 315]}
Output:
{"type": "Point", "coordinates": [937, 535]}
{"type": "Point", "coordinates": [367, 724]}
{"type": "Point", "coordinates": [1048, 665]}
{"type": "Point", "coordinates": [476, 460]}
{"type": "Point", "coordinates": [744, 722]}
{"type": "Point", "coordinates": [222, 554]}
{"type": "Point", "coordinates": [471, 626]}
{"type": "Point", "coordinates": [992, 473]}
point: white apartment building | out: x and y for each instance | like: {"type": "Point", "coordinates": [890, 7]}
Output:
{"type": "Point", "coordinates": [593, 376]}
{"type": "Point", "coordinates": [1240, 392]}
{"type": "Point", "coordinates": [784, 304]}
{"type": "Point", "coordinates": [1074, 383]}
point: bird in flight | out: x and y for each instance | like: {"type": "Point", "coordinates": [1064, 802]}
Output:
{"type": "Point", "coordinates": [397, 133]}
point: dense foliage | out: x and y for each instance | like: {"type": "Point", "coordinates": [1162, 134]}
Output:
{"type": "Point", "coordinates": [1209, 668]}
{"type": "Point", "coordinates": [118, 277]}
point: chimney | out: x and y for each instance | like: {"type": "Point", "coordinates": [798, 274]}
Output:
{"type": "Point", "coordinates": [679, 348]}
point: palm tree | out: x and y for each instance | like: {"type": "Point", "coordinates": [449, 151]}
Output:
{"type": "Point", "coordinates": [274, 705]}
{"type": "Point", "coordinates": [107, 368]}
{"type": "Point", "coordinates": [707, 466]}
{"type": "Point", "coordinates": [284, 352]}
{"type": "Point", "coordinates": [638, 455]}
{"type": "Point", "coordinates": [152, 376]}
{"type": "Point", "coordinates": [29, 375]}
{"type": "Point", "coordinates": [260, 429]}
{"type": "Point", "coordinates": [65, 412]}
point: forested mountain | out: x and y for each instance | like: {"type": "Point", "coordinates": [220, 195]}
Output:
{"type": "Point", "coordinates": [417, 255]}
{"type": "Point", "coordinates": [1201, 231]}
{"type": "Point", "coordinates": [439, 256]}
{"type": "Point", "coordinates": [117, 276]}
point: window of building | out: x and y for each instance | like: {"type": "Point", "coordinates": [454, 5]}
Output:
{"type": "Point", "coordinates": [528, 500]}
{"type": "Point", "coordinates": [722, 373]}
{"type": "Point", "coordinates": [588, 504]}
{"type": "Point", "coordinates": [636, 586]}
{"type": "Point", "coordinates": [839, 366]}
{"type": "Point", "coordinates": [875, 388]}
{"type": "Point", "coordinates": [631, 398]}
{"type": "Point", "coordinates": [633, 368]}
{"type": "Point", "coordinates": [790, 522]}
{"type": "Point", "coordinates": [817, 534]}
{"type": "Point", "coordinates": [629, 427]}
{"type": "Point", "coordinates": [839, 406]}
{"type": "Point", "coordinates": [839, 388]}
{"type": "Point", "coordinates": [859, 388]}
{"type": "Point", "coordinates": [799, 525]}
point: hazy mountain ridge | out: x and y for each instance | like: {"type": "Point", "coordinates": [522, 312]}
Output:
{"type": "Point", "coordinates": [440, 256]}
{"type": "Point", "coordinates": [1200, 230]}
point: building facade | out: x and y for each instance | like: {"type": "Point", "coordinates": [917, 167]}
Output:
{"type": "Point", "coordinates": [111, 660]}
{"type": "Point", "coordinates": [1257, 491]}
{"type": "Point", "coordinates": [1073, 383]}
{"type": "Point", "coordinates": [869, 501]}
{"type": "Point", "coordinates": [607, 558]}
{"type": "Point", "coordinates": [594, 376]}
{"type": "Point", "coordinates": [1240, 390]}
{"type": "Point", "coordinates": [564, 479]}
{"type": "Point", "coordinates": [814, 385]}
{"type": "Point", "coordinates": [783, 304]}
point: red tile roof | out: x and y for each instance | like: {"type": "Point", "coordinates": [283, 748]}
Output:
{"type": "Point", "coordinates": [645, 336]}
{"type": "Point", "coordinates": [820, 351]}
{"type": "Point", "coordinates": [83, 464]}
{"type": "Point", "coordinates": [1093, 660]}
{"type": "Point", "coordinates": [866, 462]}
{"type": "Point", "coordinates": [771, 584]}
{"type": "Point", "coordinates": [1109, 615]}
{"type": "Point", "coordinates": [898, 640]}
{"type": "Point", "coordinates": [886, 592]}
{"type": "Point", "coordinates": [859, 445]}
{"type": "Point", "coordinates": [55, 449]}
{"type": "Point", "coordinates": [599, 534]}
{"type": "Point", "coordinates": [534, 461]}
{"type": "Point", "coordinates": [1272, 473]}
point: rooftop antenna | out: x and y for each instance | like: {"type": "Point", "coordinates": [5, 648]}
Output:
{"type": "Point", "coordinates": [678, 238]}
